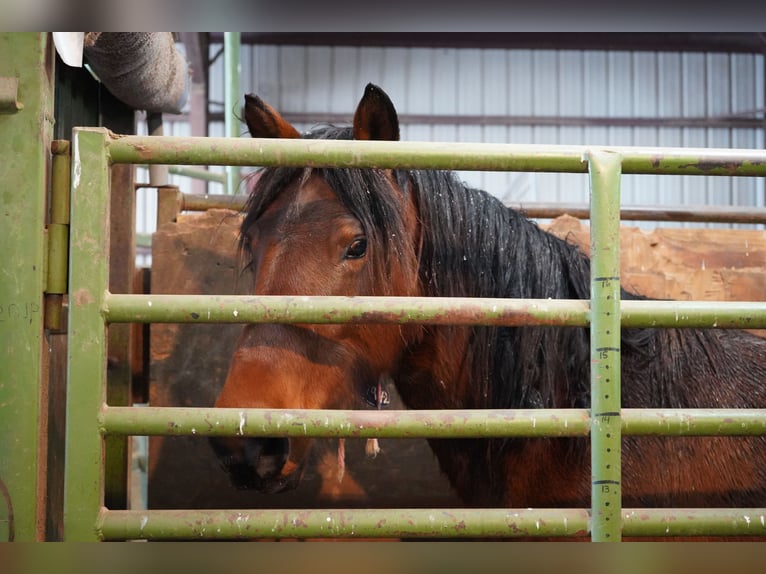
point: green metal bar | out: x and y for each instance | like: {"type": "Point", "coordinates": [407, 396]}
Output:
{"type": "Point", "coordinates": [702, 314]}
{"type": "Point", "coordinates": [422, 523]}
{"type": "Point", "coordinates": [543, 210]}
{"type": "Point", "coordinates": [144, 239]}
{"type": "Point", "coordinates": [120, 308]}
{"type": "Point", "coordinates": [698, 213]}
{"type": "Point", "coordinates": [693, 422]}
{"type": "Point", "coordinates": [291, 309]}
{"type": "Point", "coordinates": [176, 421]}
{"type": "Point", "coordinates": [606, 462]}
{"type": "Point", "coordinates": [231, 53]}
{"type": "Point", "coordinates": [25, 138]}
{"type": "Point", "coordinates": [197, 173]}
{"type": "Point", "coordinates": [86, 385]}
{"type": "Point", "coordinates": [351, 523]}
{"type": "Point", "coordinates": [194, 173]}
{"type": "Point", "coordinates": [428, 155]}
{"type": "Point", "coordinates": [191, 202]}
{"type": "Point", "coordinates": [190, 421]}
{"type": "Point", "coordinates": [658, 522]}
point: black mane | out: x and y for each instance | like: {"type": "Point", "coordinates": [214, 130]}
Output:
{"type": "Point", "coordinates": [474, 246]}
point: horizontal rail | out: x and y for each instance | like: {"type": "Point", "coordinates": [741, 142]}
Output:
{"type": "Point", "coordinates": [427, 155]}
{"type": "Point", "coordinates": [197, 173]}
{"type": "Point", "coordinates": [697, 213]}
{"type": "Point", "coordinates": [658, 522]}
{"type": "Point", "coordinates": [120, 308]}
{"type": "Point", "coordinates": [176, 421]}
{"type": "Point", "coordinates": [331, 309]}
{"type": "Point", "coordinates": [192, 202]}
{"type": "Point", "coordinates": [540, 210]}
{"type": "Point", "coordinates": [701, 314]}
{"type": "Point", "coordinates": [420, 523]}
{"type": "Point", "coordinates": [347, 523]}
{"type": "Point", "coordinates": [188, 421]}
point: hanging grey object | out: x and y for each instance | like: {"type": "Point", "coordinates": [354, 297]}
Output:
{"type": "Point", "coordinates": [145, 70]}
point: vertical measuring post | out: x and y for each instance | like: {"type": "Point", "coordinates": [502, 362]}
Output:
{"type": "Point", "coordinates": [231, 53]}
{"type": "Point", "coordinates": [86, 375]}
{"type": "Point", "coordinates": [606, 491]}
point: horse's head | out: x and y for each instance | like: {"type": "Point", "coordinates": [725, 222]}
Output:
{"type": "Point", "coordinates": [318, 232]}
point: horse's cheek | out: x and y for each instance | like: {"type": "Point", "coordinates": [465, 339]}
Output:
{"type": "Point", "coordinates": [245, 381]}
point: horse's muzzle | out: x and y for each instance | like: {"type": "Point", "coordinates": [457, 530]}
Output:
{"type": "Point", "coordinates": [256, 463]}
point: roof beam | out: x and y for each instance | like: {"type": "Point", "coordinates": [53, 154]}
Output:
{"type": "Point", "coordinates": [747, 42]}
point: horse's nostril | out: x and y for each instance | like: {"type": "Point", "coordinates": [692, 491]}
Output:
{"type": "Point", "coordinates": [268, 456]}
{"type": "Point", "coordinates": [251, 461]}
{"type": "Point", "coordinates": [275, 447]}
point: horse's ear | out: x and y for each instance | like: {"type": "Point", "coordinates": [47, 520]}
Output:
{"type": "Point", "coordinates": [263, 121]}
{"type": "Point", "coordinates": [375, 117]}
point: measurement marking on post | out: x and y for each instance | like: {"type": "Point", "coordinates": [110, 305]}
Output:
{"type": "Point", "coordinates": [602, 353]}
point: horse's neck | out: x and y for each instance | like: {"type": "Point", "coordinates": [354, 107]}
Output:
{"type": "Point", "coordinates": [505, 256]}
{"type": "Point", "coordinates": [436, 373]}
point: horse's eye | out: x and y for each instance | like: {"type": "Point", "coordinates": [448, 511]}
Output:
{"type": "Point", "coordinates": [357, 249]}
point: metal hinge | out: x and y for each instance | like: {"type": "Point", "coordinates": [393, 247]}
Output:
{"type": "Point", "coordinates": [57, 233]}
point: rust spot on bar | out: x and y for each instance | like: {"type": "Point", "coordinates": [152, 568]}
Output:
{"type": "Point", "coordinates": [143, 151]}
{"type": "Point", "coordinates": [82, 297]}
{"type": "Point", "coordinates": [721, 167]}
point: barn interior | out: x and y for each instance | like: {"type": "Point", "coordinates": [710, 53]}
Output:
{"type": "Point", "coordinates": [173, 229]}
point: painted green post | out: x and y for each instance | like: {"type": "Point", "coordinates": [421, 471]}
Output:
{"type": "Point", "coordinates": [86, 376]}
{"type": "Point", "coordinates": [26, 131]}
{"type": "Point", "coordinates": [232, 97]}
{"type": "Point", "coordinates": [606, 491]}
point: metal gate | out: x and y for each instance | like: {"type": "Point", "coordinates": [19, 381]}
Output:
{"type": "Point", "coordinates": [93, 307]}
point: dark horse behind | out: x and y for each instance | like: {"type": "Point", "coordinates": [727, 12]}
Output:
{"type": "Point", "coordinates": [424, 233]}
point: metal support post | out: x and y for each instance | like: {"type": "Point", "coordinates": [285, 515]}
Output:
{"type": "Point", "coordinates": [86, 375]}
{"type": "Point", "coordinates": [231, 48]}
{"type": "Point", "coordinates": [606, 489]}
{"type": "Point", "coordinates": [25, 135]}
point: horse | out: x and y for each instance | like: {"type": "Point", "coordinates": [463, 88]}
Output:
{"type": "Point", "coordinates": [396, 232]}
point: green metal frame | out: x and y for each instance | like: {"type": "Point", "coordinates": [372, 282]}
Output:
{"type": "Point", "coordinates": [26, 130]}
{"type": "Point", "coordinates": [92, 307]}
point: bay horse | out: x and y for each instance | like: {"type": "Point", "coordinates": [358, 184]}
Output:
{"type": "Point", "coordinates": [379, 232]}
